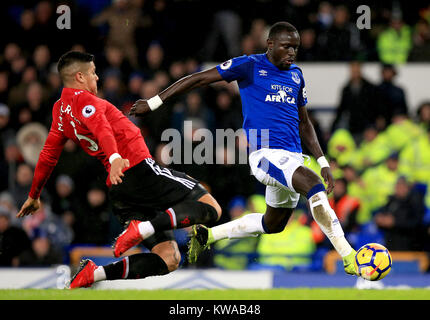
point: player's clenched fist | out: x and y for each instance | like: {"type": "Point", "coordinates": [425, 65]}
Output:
{"type": "Point", "coordinates": [328, 179]}
{"type": "Point", "coordinates": [140, 108]}
{"type": "Point", "coordinates": [116, 170]}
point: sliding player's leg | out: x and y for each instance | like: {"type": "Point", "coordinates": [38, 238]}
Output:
{"type": "Point", "coordinates": [180, 201]}
{"type": "Point", "coordinates": [164, 257]}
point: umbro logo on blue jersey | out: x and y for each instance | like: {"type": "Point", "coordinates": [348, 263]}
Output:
{"type": "Point", "coordinates": [262, 72]}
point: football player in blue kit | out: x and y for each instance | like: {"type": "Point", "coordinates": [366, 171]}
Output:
{"type": "Point", "coordinates": [273, 94]}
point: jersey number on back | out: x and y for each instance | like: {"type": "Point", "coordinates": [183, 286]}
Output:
{"type": "Point", "coordinates": [93, 146]}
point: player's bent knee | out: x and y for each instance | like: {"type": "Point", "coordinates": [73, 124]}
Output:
{"type": "Point", "coordinates": [209, 200]}
{"type": "Point", "coordinates": [275, 219]}
{"type": "Point", "coordinates": [172, 261]}
{"type": "Point", "coordinates": [275, 227]}
{"type": "Point", "coordinates": [169, 253]}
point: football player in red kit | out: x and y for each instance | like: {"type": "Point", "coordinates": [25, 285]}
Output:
{"type": "Point", "coordinates": [149, 200]}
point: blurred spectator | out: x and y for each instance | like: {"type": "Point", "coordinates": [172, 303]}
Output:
{"type": "Point", "coordinates": [94, 219]}
{"type": "Point", "coordinates": [401, 218]}
{"type": "Point", "coordinates": [132, 92]}
{"type": "Point", "coordinates": [122, 17]}
{"type": "Point", "coordinates": [41, 59]}
{"type": "Point", "coordinates": [4, 86]}
{"type": "Point", "coordinates": [177, 70]}
{"type": "Point", "coordinates": [135, 83]}
{"type": "Point", "coordinates": [248, 45]}
{"type": "Point", "coordinates": [7, 201]}
{"type": "Point", "coordinates": [54, 87]}
{"type": "Point", "coordinates": [79, 166]}
{"type": "Point", "coordinates": [27, 35]}
{"type": "Point", "coordinates": [374, 148]}
{"type": "Point", "coordinates": [154, 60]}
{"type": "Point", "coordinates": [354, 184]}
{"type": "Point", "coordinates": [324, 17]}
{"type": "Point", "coordinates": [395, 43]}
{"type": "Point", "coordinates": [375, 195]}
{"type": "Point", "coordinates": [297, 12]}
{"type": "Point", "coordinates": [401, 131]}
{"type": "Point", "coordinates": [259, 33]}
{"type": "Point", "coordinates": [162, 79]}
{"type": "Point", "coordinates": [159, 24]}
{"type": "Point", "coordinates": [41, 254]}
{"type": "Point", "coordinates": [390, 98]}
{"type": "Point", "coordinates": [34, 109]}
{"type": "Point", "coordinates": [308, 51]}
{"type": "Point", "coordinates": [64, 199]}
{"type": "Point", "coordinates": [11, 52]}
{"type": "Point", "coordinates": [291, 249]}
{"type": "Point", "coordinates": [227, 112]}
{"type": "Point", "coordinates": [31, 138]}
{"type": "Point", "coordinates": [225, 32]}
{"type": "Point", "coordinates": [157, 120]}
{"type": "Point", "coordinates": [356, 110]}
{"type": "Point", "coordinates": [345, 205]}
{"type": "Point", "coordinates": [45, 222]}
{"type": "Point", "coordinates": [8, 150]}
{"type": "Point", "coordinates": [193, 108]}
{"type": "Point", "coordinates": [420, 51]}
{"type": "Point", "coordinates": [7, 134]}
{"type": "Point", "coordinates": [17, 66]}
{"type": "Point", "coordinates": [341, 41]}
{"type": "Point", "coordinates": [225, 174]}
{"type": "Point", "coordinates": [24, 177]}
{"type": "Point", "coordinates": [45, 20]}
{"type": "Point", "coordinates": [13, 240]}
{"type": "Point", "coordinates": [414, 159]}
{"type": "Point", "coordinates": [341, 146]}
{"type": "Point", "coordinates": [423, 114]}
{"type": "Point", "coordinates": [113, 87]}
{"type": "Point", "coordinates": [18, 93]}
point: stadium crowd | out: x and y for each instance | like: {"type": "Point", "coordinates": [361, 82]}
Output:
{"type": "Point", "coordinates": [380, 157]}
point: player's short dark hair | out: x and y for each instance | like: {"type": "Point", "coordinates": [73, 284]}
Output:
{"type": "Point", "coordinates": [279, 27]}
{"type": "Point", "coordinates": [73, 56]}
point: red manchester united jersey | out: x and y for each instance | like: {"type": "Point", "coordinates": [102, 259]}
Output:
{"type": "Point", "coordinates": [96, 125]}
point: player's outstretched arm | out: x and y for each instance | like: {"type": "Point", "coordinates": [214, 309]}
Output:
{"type": "Point", "coordinates": [195, 80]}
{"type": "Point", "coordinates": [309, 137]}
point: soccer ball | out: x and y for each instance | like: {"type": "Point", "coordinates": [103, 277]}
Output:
{"type": "Point", "coordinates": [373, 261]}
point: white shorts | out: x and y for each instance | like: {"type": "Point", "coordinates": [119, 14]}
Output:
{"type": "Point", "coordinates": [274, 168]}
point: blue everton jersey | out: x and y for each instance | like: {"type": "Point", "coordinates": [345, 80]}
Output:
{"type": "Point", "coordinates": [270, 101]}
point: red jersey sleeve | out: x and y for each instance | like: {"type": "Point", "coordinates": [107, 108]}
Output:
{"type": "Point", "coordinates": [48, 158]}
{"type": "Point", "coordinates": [92, 113]}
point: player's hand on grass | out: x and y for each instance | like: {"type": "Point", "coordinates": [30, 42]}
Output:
{"type": "Point", "coordinates": [118, 165]}
{"type": "Point", "coordinates": [29, 207]}
{"type": "Point", "coordinates": [139, 108]}
{"type": "Point", "coordinates": [328, 179]}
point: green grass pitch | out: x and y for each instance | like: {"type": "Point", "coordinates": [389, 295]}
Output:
{"type": "Point", "coordinates": [231, 294]}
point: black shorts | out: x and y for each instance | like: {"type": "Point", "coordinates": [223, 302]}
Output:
{"type": "Point", "coordinates": [148, 189]}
